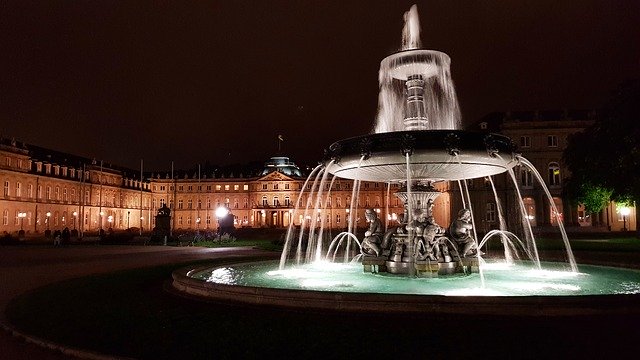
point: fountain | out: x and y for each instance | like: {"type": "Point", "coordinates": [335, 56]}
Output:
{"type": "Point", "coordinates": [417, 265]}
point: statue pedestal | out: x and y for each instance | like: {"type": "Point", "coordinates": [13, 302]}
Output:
{"type": "Point", "coordinates": [471, 264]}
{"type": "Point", "coordinates": [374, 264]}
{"type": "Point", "coordinates": [434, 269]}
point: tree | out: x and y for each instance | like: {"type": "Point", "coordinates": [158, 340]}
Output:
{"type": "Point", "coordinates": [606, 156]}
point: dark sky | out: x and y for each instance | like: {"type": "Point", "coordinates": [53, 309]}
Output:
{"type": "Point", "coordinates": [217, 81]}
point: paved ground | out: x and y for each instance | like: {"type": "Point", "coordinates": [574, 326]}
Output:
{"type": "Point", "coordinates": [23, 268]}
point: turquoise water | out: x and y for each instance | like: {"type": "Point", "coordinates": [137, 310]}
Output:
{"type": "Point", "coordinates": [501, 279]}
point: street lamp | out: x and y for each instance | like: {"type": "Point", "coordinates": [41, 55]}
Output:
{"type": "Point", "coordinates": [75, 218]}
{"type": "Point", "coordinates": [624, 211]}
{"type": "Point", "coordinates": [21, 216]}
{"type": "Point", "coordinates": [101, 215]}
{"type": "Point", "coordinates": [110, 220]}
{"type": "Point", "coordinates": [47, 220]}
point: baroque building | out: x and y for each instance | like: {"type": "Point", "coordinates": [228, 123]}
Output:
{"type": "Point", "coordinates": [542, 137]}
{"type": "Point", "coordinates": [46, 189]}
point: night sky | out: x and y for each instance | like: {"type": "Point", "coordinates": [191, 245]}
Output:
{"type": "Point", "coordinates": [218, 81]}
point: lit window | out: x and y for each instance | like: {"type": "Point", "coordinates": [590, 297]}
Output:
{"type": "Point", "coordinates": [554, 174]}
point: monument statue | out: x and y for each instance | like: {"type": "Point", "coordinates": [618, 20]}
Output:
{"type": "Point", "coordinates": [373, 236]}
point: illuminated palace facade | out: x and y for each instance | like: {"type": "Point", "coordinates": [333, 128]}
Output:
{"type": "Point", "coordinates": [45, 189]}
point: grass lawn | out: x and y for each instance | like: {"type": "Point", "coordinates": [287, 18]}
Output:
{"type": "Point", "coordinates": [616, 244]}
{"type": "Point", "coordinates": [261, 244]}
{"type": "Point", "coordinates": [128, 313]}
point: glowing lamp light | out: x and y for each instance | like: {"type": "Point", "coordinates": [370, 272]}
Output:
{"type": "Point", "coordinates": [625, 211]}
{"type": "Point", "coordinates": [222, 212]}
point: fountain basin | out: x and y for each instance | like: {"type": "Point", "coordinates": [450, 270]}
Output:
{"type": "Point", "coordinates": [323, 292]}
{"type": "Point", "coordinates": [434, 155]}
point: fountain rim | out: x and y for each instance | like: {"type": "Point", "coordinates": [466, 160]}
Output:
{"type": "Point", "coordinates": [449, 151]}
{"type": "Point", "coordinates": [296, 299]}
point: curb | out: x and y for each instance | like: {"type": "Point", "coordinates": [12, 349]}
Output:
{"type": "Point", "coordinates": [55, 347]}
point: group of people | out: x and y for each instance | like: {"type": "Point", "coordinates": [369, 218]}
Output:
{"type": "Point", "coordinates": [61, 237]}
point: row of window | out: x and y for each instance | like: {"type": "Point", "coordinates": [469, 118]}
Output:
{"type": "Point", "coordinates": [553, 176]}
{"type": "Point", "coordinates": [199, 188]}
{"type": "Point", "coordinates": [59, 194]}
{"type": "Point", "coordinates": [525, 141]}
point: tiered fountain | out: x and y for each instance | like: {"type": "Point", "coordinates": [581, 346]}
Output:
{"type": "Point", "coordinates": [416, 144]}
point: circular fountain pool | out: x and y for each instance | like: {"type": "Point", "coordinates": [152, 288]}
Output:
{"type": "Point", "coordinates": [518, 289]}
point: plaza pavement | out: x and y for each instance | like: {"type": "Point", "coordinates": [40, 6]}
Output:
{"type": "Point", "coordinates": [23, 268]}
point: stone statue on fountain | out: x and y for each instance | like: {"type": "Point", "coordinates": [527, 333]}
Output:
{"type": "Point", "coordinates": [461, 231]}
{"type": "Point", "coordinates": [373, 236]}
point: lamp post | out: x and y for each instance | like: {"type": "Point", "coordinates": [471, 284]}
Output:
{"type": "Point", "coordinates": [47, 220]}
{"type": "Point", "coordinates": [75, 218]}
{"type": "Point", "coordinates": [21, 216]}
{"type": "Point", "coordinates": [624, 211]}
{"type": "Point", "coordinates": [221, 213]}
{"type": "Point", "coordinates": [101, 215]}
{"type": "Point", "coordinates": [128, 215]}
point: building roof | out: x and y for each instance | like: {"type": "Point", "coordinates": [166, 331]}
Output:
{"type": "Point", "coordinates": [283, 165]}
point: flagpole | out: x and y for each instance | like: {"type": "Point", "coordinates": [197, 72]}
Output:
{"type": "Point", "coordinates": [141, 176]}
{"type": "Point", "coordinates": [173, 216]}
{"type": "Point", "coordinates": [100, 199]}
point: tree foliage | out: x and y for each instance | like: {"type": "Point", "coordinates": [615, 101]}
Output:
{"type": "Point", "coordinates": [606, 156]}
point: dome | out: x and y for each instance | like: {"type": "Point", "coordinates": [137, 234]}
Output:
{"type": "Point", "coordinates": [281, 164]}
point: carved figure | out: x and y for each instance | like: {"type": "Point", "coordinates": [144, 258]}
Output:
{"type": "Point", "coordinates": [373, 236]}
{"type": "Point", "coordinates": [460, 231]}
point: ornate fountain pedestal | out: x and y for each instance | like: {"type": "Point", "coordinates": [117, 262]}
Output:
{"type": "Point", "coordinates": [375, 264]}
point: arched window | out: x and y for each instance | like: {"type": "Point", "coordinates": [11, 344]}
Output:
{"type": "Point", "coordinates": [265, 202]}
{"type": "Point", "coordinates": [530, 210]}
{"type": "Point", "coordinates": [554, 174]}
